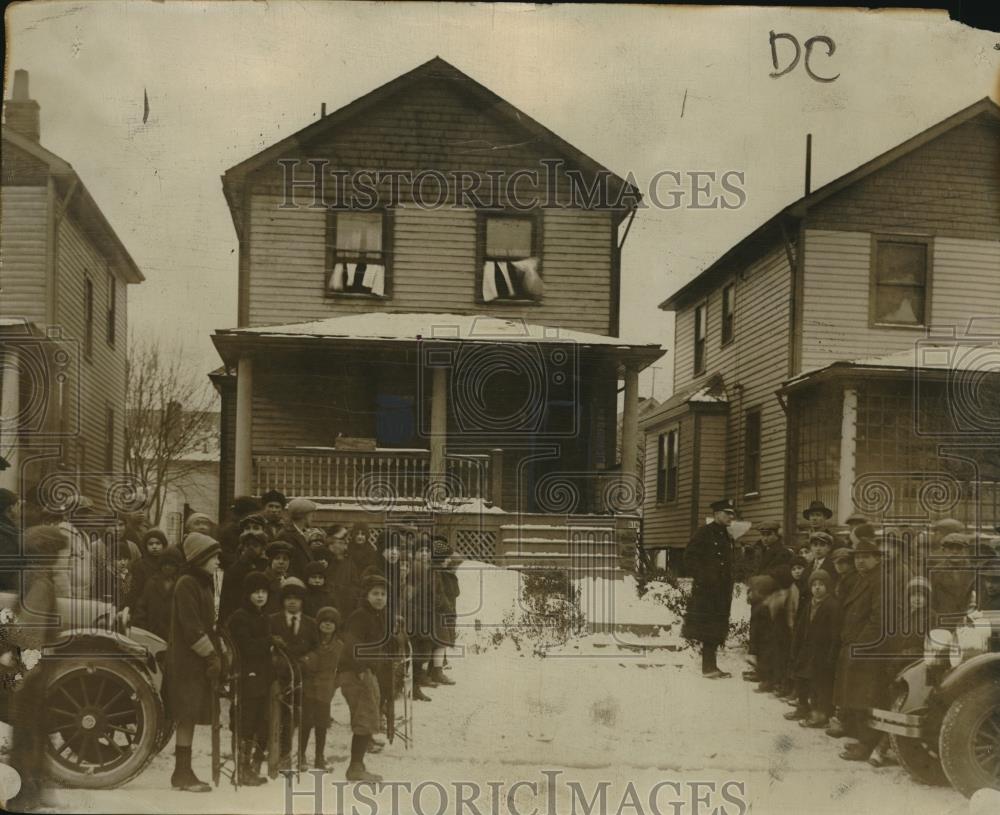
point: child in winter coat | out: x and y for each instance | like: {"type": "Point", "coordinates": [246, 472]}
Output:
{"type": "Point", "coordinates": [319, 676]}
{"type": "Point", "coordinates": [815, 650]}
{"type": "Point", "coordinates": [341, 577]}
{"type": "Point", "coordinates": [152, 611]}
{"type": "Point", "coordinates": [249, 557]}
{"type": "Point", "coordinates": [153, 543]}
{"type": "Point", "coordinates": [194, 654]}
{"type": "Point", "coordinates": [317, 594]}
{"type": "Point", "coordinates": [759, 588]}
{"type": "Point", "coordinates": [250, 630]}
{"type": "Point", "coordinates": [445, 603]}
{"type": "Point", "coordinates": [786, 602]}
{"type": "Point", "coordinates": [279, 553]}
{"type": "Point", "coordinates": [365, 635]}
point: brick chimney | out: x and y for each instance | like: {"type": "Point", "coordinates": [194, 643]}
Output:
{"type": "Point", "coordinates": [21, 112]}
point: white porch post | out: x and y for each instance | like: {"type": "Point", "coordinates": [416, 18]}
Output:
{"type": "Point", "coordinates": [243, 477]}
{"type": "Point", "coordinates": [630, 422]}
{"type": "Point", "coordinates": [10, 409]}
{"type": "Point", "coordinates": [848, 454]}
{"type": "Point", "coordinates": [439, 424]}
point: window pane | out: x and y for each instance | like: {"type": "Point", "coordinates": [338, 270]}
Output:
{"type": "Point", "coordinates": [904, 263]}
{"type": "Point", "coordinates": [508, 237]}
{"type": "Point", "coordinates": [359, 233]}
{"type": "Point", "coordinates": [903, 305]}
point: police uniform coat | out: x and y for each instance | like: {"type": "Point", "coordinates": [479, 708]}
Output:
{"type": "Point", "coordinates": [861, 678]}
{"type": "Point", "coordinates": [709, 560]}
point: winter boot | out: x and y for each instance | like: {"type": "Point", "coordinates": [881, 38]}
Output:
{"type": "Point", "coordinates": [423, 679]}
{"type": "Point", "coordinates": [438, 676]}
{"type": "Point", "coordinates": [764, 687]}
{"type": "Point", "coordinates": [800, 712]}
{"type": "Point", "coordinates": [836, 730]}
{"type": "Point", "coordinates": [419, 695]}
{"type": "Point", "coordinates": [247, 776]}
{"type": "Point", "coordinates": [183, 777]}
{"type": "Point", "coordinates": [817, 719]}
{"type": "Point", "coordinates": [356, 772]}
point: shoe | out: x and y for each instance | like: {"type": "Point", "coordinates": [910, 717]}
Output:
{"type": "Point", "coordinates": [880, 759]}
{"type": "Point", "coordinates": [799, 713]}
{"type": "Point", "coordinates": [855, 752]}
{"type": "Point", "coordinates": [816, 720]}
{"type": "Point", "coordinates": [751, 676]}
{"type": "Point", "coordinates": [320, 763]}
{"type": "Point", "coordinates": [419, 695]}
{"type": "Point", "coordinates": [836, 729]}
{"type": "Point", "coordinates": [357, 772]}
{"type": "Point", "coordinates": [764, 687]}
{"type": "Point", "coordinates": [438, 676]}
{"type": "Point", "coordinates": [716, 674]}
{"type": "Point", "coordinates": [190, 783]}
{"type": "Point", "coordinates": [424, 681]}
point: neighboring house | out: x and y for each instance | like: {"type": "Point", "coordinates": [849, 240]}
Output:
{"type": "Point", "coordinates": [846, 350]}
{"type": "Point", "coordinates": [194, 482]}
{"type": "Point", "coordinates": [410, 357]}
{"type": "Point", "coordinates": [63, 325]}
{"type": "Point", "coordinates": [647, 406]}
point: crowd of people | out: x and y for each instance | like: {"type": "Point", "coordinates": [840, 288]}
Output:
{"type": "Point", "coordinates": [266, 597]}
{"type": "Point", "coordinates": [837, 612]}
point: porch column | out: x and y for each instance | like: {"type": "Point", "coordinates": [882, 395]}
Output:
{"type": "Point", "coordinates": [439, 425]}
{"type": "Point", "coordinates": [10, 409]}
{"type": "Point", "coordinates": [630, 422]}
{"type": "Point", "coordinates": [848, 454]}
{"type": "Point", "coordinates": [243, 476]}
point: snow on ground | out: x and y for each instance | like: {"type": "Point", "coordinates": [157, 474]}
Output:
{"type": "Point", "coordinates": [593, 710]}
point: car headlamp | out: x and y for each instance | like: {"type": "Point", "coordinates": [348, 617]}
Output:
{"type": "Point", "coordinates": [937, 646]}
{"type": "Point", "coordinates": [970, 640]}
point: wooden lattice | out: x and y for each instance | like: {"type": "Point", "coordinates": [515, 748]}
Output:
{"type": "Point", "coordinates": [475, 544]}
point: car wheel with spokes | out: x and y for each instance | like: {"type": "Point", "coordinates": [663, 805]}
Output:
{"type": "Point", "coordinates": [970, 739]}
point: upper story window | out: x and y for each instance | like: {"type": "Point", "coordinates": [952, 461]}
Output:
{"type": "Point", "coordinates": [668, 454]}
{"type": "Point", "coordinates": [751, 452]}
{"type": "Point", "coordinates": [728, 313]}
{"type": "Point", "coordinates": [357, 251]}
{"type": "Point", "coordinates": [700, 333]}
{"type": "Point", "coordinates": [112, 309]}
{"type": "Point", "coordinates": [510, 258]}
{"type": "Point", "coordinates": [88, 317]}
{"type": "Point", "coordinates": [900, 286]}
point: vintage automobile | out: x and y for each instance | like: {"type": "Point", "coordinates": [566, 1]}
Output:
{"type": "Point", "coordinates": [107, 719]}
{"type": "Point", "coordinates": [945, 718]}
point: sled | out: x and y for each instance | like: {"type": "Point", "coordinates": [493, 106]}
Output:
{"type": "Point", "coordinates": [285, 712]}
{"type": "Point", "coordinates": [399, 723]}
{"type": "Point", "coordinates": [227, 688]}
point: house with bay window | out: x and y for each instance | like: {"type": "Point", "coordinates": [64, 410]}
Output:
{"type": "Point", "coordinates": [848, 350]}
{"type": "Point", "coordinates": [428, 326]}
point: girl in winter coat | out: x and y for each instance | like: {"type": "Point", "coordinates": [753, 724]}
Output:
{"type": "Point", "coordinates": [250, 629]}
{"type": "Point", "coordinates": [365, 635]}
{"type": "Point", "coordinates": [445, 602]}
{"type": "Point", "coordinates": [319, 674]}
{"type": "Point", "coordinates": [152, 611]}
{"type": "Point", "coordinates": [153, 544]}
{"type": "Point", "coordinates": [194, 654]}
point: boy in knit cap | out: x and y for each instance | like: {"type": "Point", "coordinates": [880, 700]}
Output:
{"type": "Point", "coordinates": [319, 669]}
{"type": "Point", "coordinates": [250, 629]}
{"type": "Point", "coordinates": [152, 609]}
{"type": "Point", "coordinates": [199, 522]}
{"type": "Point", "coordinates": [317, 594]}
{"type": "Point", "coordinates": [814, 656]}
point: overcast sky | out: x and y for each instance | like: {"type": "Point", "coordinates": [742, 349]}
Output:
{"type": "Point", "coordinates": [225, 80]}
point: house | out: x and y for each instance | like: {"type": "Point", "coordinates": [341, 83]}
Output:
{"type": "Point", "coordinates": [63, 325]}
{"type": "Point", "coordinates": [846, 350]}
{"type": "Point", "coordinates": [456, 361]}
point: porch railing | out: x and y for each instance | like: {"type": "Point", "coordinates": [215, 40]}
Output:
{"type": "Point", "coordinates": [373, 476]}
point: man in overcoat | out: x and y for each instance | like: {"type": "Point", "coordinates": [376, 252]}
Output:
{"type": "Point", "coordinates": [709, 560]}
{"type": "Point", "coordinates": [300, 512]}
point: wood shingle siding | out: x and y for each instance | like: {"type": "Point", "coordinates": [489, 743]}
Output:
{"type": "Point", "coordinates": [965, 284]}
{"type": "Point", "coordinates": [23, 258]}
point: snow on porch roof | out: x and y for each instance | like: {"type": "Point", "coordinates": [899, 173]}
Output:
{"type": "Point", "coordinates": [410, 327]}
{"type": "Point", "coordinates": [977, 358]}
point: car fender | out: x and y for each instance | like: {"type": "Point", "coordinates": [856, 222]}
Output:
{"type": "Point", "coordinates": [103, 644]}
{"type": "Point", "coordinates": [971, 672]}
{"type": "Point", "coordinates": [913, 678]}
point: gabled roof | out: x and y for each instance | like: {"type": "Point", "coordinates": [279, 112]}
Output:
{"type": "Point", "coordinates": [762, 234]}
{"type": "Point", "coordinates": [234, 178]}
{"type": "Point", "coordinates": [707, 392]}
{"type": "Point", "coordinates": [97, 226]}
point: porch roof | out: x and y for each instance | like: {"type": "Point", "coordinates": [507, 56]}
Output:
{"type": "Point", "coordinates": [407, 328]}
{"type": "Point", "coordinates": [936, 360]}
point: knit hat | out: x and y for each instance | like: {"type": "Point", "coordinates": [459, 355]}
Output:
{"type": "Point", "coordinates": [194, 518]}
{"type": "Point", "coordinates": [372, 581]}
{"type": "Point", "coordinates": [301, 506]}
{"type": "Point", "coordinates": [172, 556]}
{"type": "Point", "coordinates": [244, 505]}
{"type": "Point", "coordinates": [155, 534]}
{"type": "Point", "coordinates": [315, 568]}
{"type": "Point", "coordinates": [315, 534]}
{"type": "Point", "coordinates": [254, 581]}
{"type": "Point", "coordinates": [821, 576]}
{"type": "Point", "coordinates": [292, 586]}
{"type": "Point", "coordinates": [7, 500]}
{"type": "Point", "coordinates": [328, 614]}
{"type": "Point", "coordinates": [272, 496]}
{"type": "Point", "coordinates": [275, 548]}
{"type": "Point", "coordinates": [254, 518]}
{"type": "Point", "coordinates": [842, 554]}
{"type": "Point", "coordinates": [198, 548]}
{"type": "Point", "coordinates": [249, 538]}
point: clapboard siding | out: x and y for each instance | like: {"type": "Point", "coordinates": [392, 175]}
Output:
{"type": "Point", "coordinates": [433, 268]}
{"type": "Point", "coordinates": [965, 284]}
{"type": "Point", "coordinates": [101, 380]}
{"type": "Point", "coordinates": [23, 253]}
{"type": "Point", "coordinates": [950, 186]}
{"type": "Point", "coordinates": [668, 523]}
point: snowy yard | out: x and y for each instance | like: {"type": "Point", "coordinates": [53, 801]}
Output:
{"type": "Point", "coordinates": [594, 710]}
